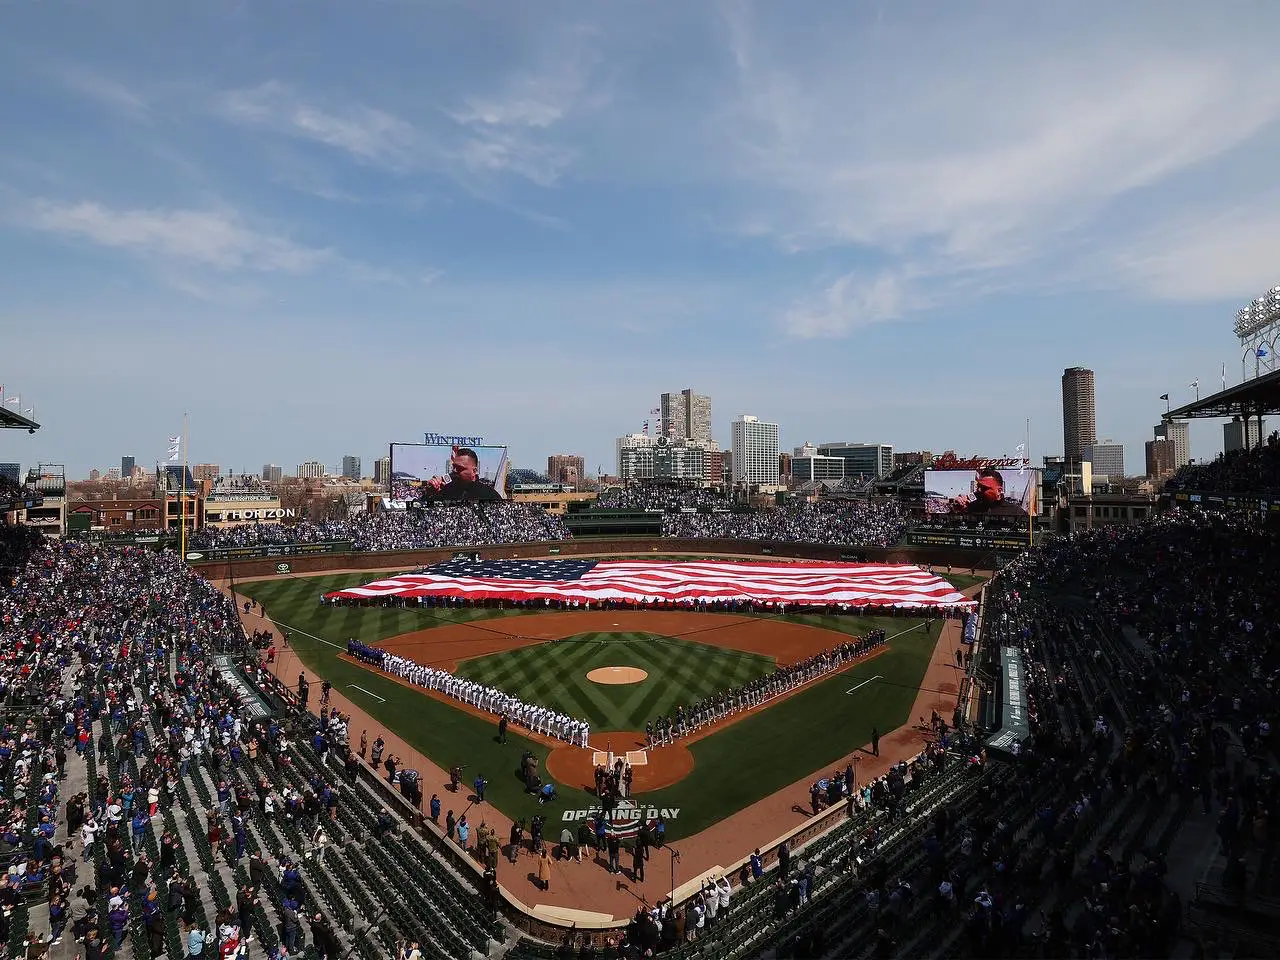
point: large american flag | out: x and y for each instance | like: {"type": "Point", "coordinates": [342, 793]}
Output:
{"type": "Point", "coordinates": [651, 581]}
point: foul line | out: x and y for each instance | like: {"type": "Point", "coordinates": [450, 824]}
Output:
{"type": "Point", "coordinates": [285, 626]}
{"type": "Point", "coordinates": [363, 690]}
{"type": "Point", "coordinates": [863, 684]}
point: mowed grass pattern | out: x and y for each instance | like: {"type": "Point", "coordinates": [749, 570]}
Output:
{"type": "Point", "coordinates": [555, 675]}
{"type": "Point", "coordinates": [814, 729]}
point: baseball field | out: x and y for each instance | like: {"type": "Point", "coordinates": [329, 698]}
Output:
{"type": "Point", "coordinates": [549, 658]}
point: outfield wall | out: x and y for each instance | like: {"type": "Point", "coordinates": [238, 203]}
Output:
{"type": "Point", "coordinates": [605, 546]}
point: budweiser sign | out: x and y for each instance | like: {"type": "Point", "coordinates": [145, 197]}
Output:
{"type": "Point", "coordinates": [949, 461]}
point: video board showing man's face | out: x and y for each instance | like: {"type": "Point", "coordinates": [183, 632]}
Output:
{"type": "Point", "coordinates": [439, 473]}
{"type": "Point", "coordinates": [991, 492]}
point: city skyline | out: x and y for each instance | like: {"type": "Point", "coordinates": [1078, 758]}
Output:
{"type": "Point", "coordinates": [663, 194]}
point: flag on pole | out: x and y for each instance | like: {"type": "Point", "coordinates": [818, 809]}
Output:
{"type": "Point", "coordinates": [1164, 396]}
{"type": "Point", "coordinates": [17, 400]}
{"type": "Point", "coordinates": [1194, 384]}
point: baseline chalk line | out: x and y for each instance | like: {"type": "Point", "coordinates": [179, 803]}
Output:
{"type": "Point", "coordinates": [863, 684]}
{"type": "Point", "coordinates": [363, 690]}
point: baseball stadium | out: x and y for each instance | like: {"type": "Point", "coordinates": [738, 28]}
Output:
{"type": "Point", "coordinates": [497, 731]}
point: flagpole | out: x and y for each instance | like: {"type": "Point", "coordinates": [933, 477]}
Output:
{"type": "Point", "coordinates": [1031, 504]}
{"type": "Point", "coordinates": [183, 534]}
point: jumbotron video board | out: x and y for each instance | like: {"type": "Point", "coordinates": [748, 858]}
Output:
{"type": "Point", "coordinates": [448, 472]}
{"type": "Point", "coordinates": [989, 489]}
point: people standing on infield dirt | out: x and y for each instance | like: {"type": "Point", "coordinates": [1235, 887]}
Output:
{"type": "Point", "coordinates": [875, 742]}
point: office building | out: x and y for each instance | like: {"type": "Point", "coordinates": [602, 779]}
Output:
{"type": "Point", "coordinates": [350, 467]}
{"type": "Point", "coordinates": [311, 470]}
{"type": "Point", "coordinates": [10, 471]}
{"type": "Point", "coordinates": [113, 474]}
{"type": "Point", "coordinates": [272, 473]}
{"type": "Point", "coordinates": [382, 471]}
{"type": "Point", "coordinates": [1160, 456]}
{"type": "Point", "coordinates": [1176, 431]}
{"type": "Point", "coordinates": [816, 467]}
{"type": "Point", "coordinates": [126, 467]}
{"type": "Point", "coordinates": [1107, 458]}
{"type": "Point", "coordinates": [1240, 434]}
{"type": "Point", "coordinates": [566, 468]}
{"type": "Point", "coordinates": [755, 452]}
{"type": "Point", "coordinates": [686, 416]}
{"type": "Point", "coordinates": [642, 457]}
{"type": "Point", "coordinates": [864, 461]}
{"type": "Point", "coordinates": [206, 471]}
{"type": "Point", "coordinates": [1079, 414]}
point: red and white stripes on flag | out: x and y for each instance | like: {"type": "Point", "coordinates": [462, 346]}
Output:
{"type": "Point", "coordinates": [652, 581]}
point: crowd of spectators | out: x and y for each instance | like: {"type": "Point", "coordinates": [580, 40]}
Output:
{"type": "Point", "coordinates": [657, 497]}
{"type": "Point", "coordinates": [478, 524]}
{"type": "Point", "coordinates": [110, 653]}
{"type": "Point", "coordinates": [1238, 471]}
{"type": "Point", "coordinates": [865, 523]}
{"type": "Point", "coordinates": [1152, 658]}
{"type": "Point", "coordinates": [755, 693]}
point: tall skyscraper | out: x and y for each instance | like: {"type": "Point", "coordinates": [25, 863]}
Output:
{"type": "Point", "coordinates": [686, 416]}
{"type": "Point", "coordinates": [1079, 414]}
{"type": "Point", "coordinates": [351, 467]}
{"type": "Point", "coordinates": [272, 472]}
{"type": "Point", "coordinates": [1240, 434]}
{"type": "Point", "coordinates": [1160, 454]}
{"type": "Point", "coordinates": [126, 466]}
{"type": "Point", "coordinates": [1107, 458]}
{"type": "Point", "coordinates": [755, 451]}
{"type": "Point", "coordinates": [1176, 432]}
{"type": "Point", "coordinates": [382, 471]}
{"type": "Point", "coordinates": [566, 468]}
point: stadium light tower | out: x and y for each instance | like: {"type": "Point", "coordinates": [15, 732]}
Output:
{"type": "Point", "coordinates": [1257, 327]}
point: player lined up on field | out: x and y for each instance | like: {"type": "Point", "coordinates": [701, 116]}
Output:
{"type": "Point", "coordinates": [538, 719]}
{"type": "Point", "coordinates": [755, 692]}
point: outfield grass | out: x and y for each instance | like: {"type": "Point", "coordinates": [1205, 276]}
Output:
{"type": "Point", "coordinates": [555, 675]}
{"type": "Point", "coordinates": [815, 729]}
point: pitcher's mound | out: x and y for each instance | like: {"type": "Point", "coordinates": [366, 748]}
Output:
{"type": "Point", "coordinates": [615, 675]}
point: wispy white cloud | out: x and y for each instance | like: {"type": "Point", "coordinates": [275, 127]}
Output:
{"type": "Point", "coordinates": [853, 301]}
{"type": "Point", "coordinates": [507, 133]}
{"type": "Point", "coordinates": [208, 238]}
{"type": "Point", "coordinates": [1203, 258]}
{"type": "Point", "coordinates": [974, 163]}
{"type": "Point", "coordinates": [366, 133]}
{"type": "Point", "coordinates": [106, 91]}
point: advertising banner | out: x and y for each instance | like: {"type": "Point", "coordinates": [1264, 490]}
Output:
{"type": "Point", "coordinates": [1014, 723]}
{"type": "Point", "coordinates": [217, 554]}
{"type": "Point", "coordinates": [447, 472]}
{"type": "Point", "coordinates": [985, 492]}
{"type": "Point", "coordinates": [969, 539]}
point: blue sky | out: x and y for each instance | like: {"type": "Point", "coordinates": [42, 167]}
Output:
{"type": "Point", "coordinates": [321, 227]}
